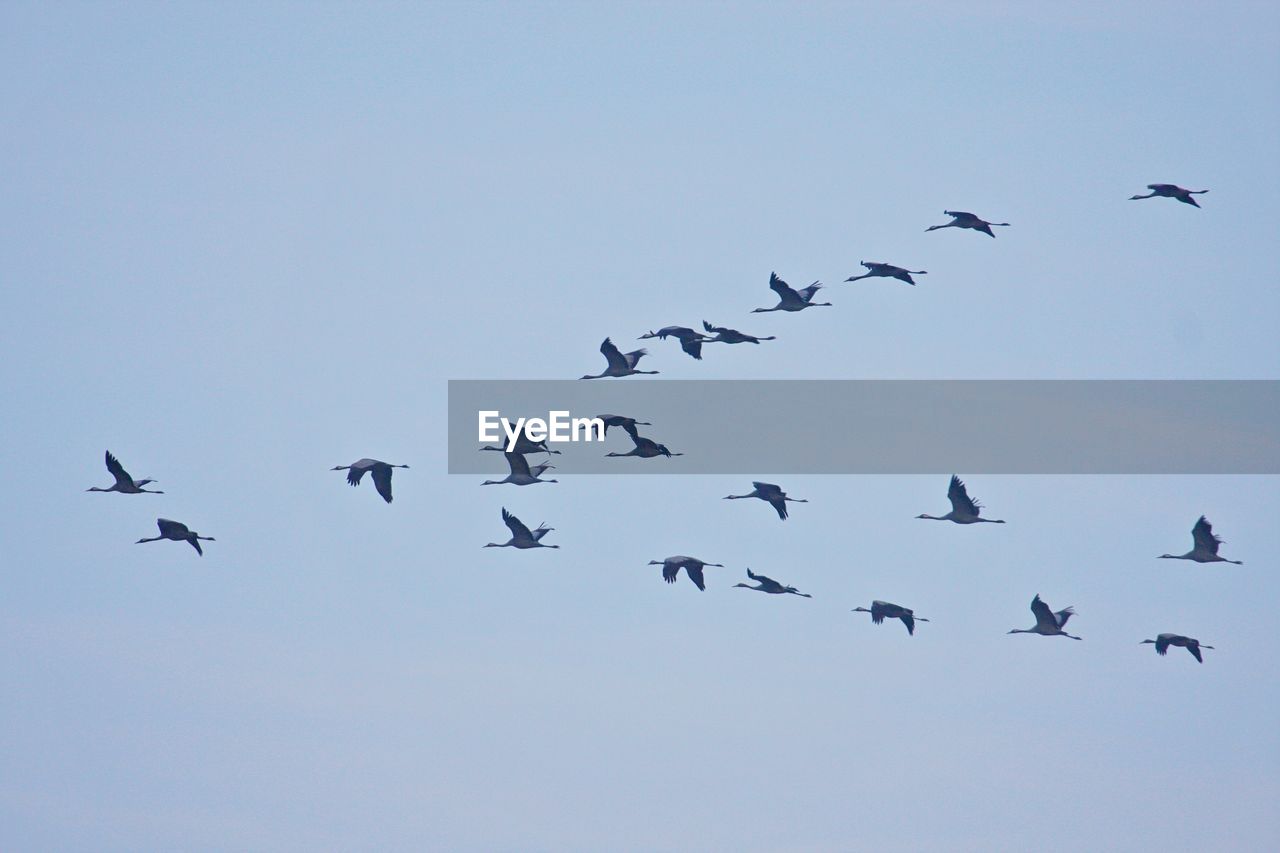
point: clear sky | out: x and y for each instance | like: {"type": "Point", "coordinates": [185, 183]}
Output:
{"type": "Point", "coordinates": [241, 244]}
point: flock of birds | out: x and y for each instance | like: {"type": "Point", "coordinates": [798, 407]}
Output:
{"type": "Point", "coordinates": [964, 509]}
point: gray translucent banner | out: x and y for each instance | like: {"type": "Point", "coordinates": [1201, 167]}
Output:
{"type": "Point", "coordinates": [892, 426]}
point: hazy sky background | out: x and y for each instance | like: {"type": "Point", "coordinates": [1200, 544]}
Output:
{"type": "Point", "coordinates": [242, 244]}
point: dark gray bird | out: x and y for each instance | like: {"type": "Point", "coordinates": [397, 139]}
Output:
{"type": "Point", "coordinates": [124, 484]}
{"type": "Point", "coordinates": [960, 219]}
{"type": "Point", "coordinates": [1048, 623]}
{"type": "Point", "coordinates": [964, 509]}
{"type": "Point", "coordinates": [770, 586]}
{"type": "Point", "coordinates": [524, 445]}
{"type": "Point", "coordinates": [792, 300]}
{"type": "Point", "coordinates": [692, 566]}
{"type": "Point", "coordinates": [178, 532]}
{"type": "Point", "coordinates": [771, 494]}
{"type": "Point", "coordinates": [690, 341]}
{"type": "Point", "coordinates": [1206, 546]}
{"type": "Point", "coordinates": [522, 473]}
{"type": "Point", "coordinates": [881, 610]}
{"type": "Point", "coordinates": [1171, 191]}
{"type": "Point", "coordinates": [619, 364]}
{"type": "Point", "coordinates": [380, 471]}
{"type": "Point", "coordinates": [731, 336]}
{"type": "Point", "coordinates": [645, 448]}
{"type": "Point", "coordinates": [879, 270]}
{"type": "Point", "coordinates": [1164, 641]}
{"type": "Point", "coordinates": [522, 536]}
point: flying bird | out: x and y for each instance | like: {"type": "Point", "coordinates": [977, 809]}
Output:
{"type": "Point", "coordinates": [770, 586]}
{"type": "Point", "coordinates": [124, 483]}
{"type": "Point", "coordinates": [1171, 191]}
{"type": "Point", "coordinates": [691, 565]}
{"type": "Point", "coordinates": [380, 471]}
{"type": "Point", "coordinates": [960, 219]}
{"type": "Point", "coordinates": [522, 473]}
{"type": "Point", "coordinates": [964, 509]}
{"type": "Point", "coordinates": [524, 445]}
{"type": "Point", "coordinates": [731, 336]}
{"type": "Point", "coordinates": [881, 610]}
{"type": "Point", "coordinates": [690, 341]}
{"type": "Point", "coordinates": [1206, 546]}
{"type": "Point", "coordinates": [619, 364]}
{"type": "Point", "coordinates": [770, 493]}
{"type": "Point", "coordinates": [1048, 623]}
{"type": "Point", "coordinates": [879, 270]}
{"type": "Point", "coordinates": [623, 421]}
{"type": "Point", "coordinates": [178, 532]}
{"type": "Point", "coordinates": [522, 536]}
{"type": "Point", "coordinates": [792, 300]}
{"type": "Point", "coordinates": [1164, 641]}
{"type": "Point", "coordinates": [645, 448]}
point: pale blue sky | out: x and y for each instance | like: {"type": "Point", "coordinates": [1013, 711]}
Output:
{"type": "Point", "coordinates": [242, 244]}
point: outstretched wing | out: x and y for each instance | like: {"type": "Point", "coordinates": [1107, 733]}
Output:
{"type": "Point", "coordinates": [519, 465]}
{"type": "Point", "coordinates": [633, 357]}
{"type": "Point", "coordinates": [714, 329]}
{"type": "Point", "coordinates": [1202, 533]}
{"type": "Point", "coordinates": [1162, 644]}
{"type": "Point", "coordinates": [1063, 615]}
{"type": "Point", "coordinates": [806, 293]}
{"type": "Point", "coordinates": [613, 355]}
{"type": "Point", "coordinates": [117, 470]}
{"type": "Point", "coordinates": [382, 481]}
{"type": "Point", "coordinates": [518, 530]}
{"type": "Point", "coordinates": [171, 528]}
{"type": "Point", "coordinates": [693, 346]}
{"type": "Point", "coordinates": [1194, 648]}
{"type": "Point", "coordinates": [1044, 616]}
{"type": "Point", "coordinates": [695, 575]}
{"type": "Point", "coordinates": [670, 570]}
{"type": "Point", "coordinates": [910, 622]}
{"type": "Point", "coordinates": [959, 497]}
{"type": "Point", "coordinates": [780, 287]}
{"type": "Point", "coordinates": [779, 503]}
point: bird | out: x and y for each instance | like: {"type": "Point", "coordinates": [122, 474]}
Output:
{"type": "Point", "coordinates": [881, 610]}
{"type": "Point", "coordinates": [645, 448]}
{"type": "Point", "coordinates": [1206, 546]}
{"type": "Point", "coordinates": [692, 566]}
{"type": "Point", "coordinates": [690, 341]}
{"type": "Point", "coordinates": [732, 336]}
{"type": "Point", "coordinates": [619, 364]}
{"type": "Point", "coordinates": [621, 421]}
{"type": "Point", "coordinates": [792, 300]}
{"type": "Point", "coordinates": [960, 219]}
{"type": "Point", "coordinates": [1171, 191]}
{"type": "Point", "coordinates": [879, 270]}
{"type": "Point", "coordinates": [1164, 641]}
{"type": "Point", "coordinates": [522, 536]}
{"type": "Point", "coordinates": [524, 445]}
{"type": "Point", "coordinates": [770, 493]}
{"type": "Point", "coordinates": [178, 532]}
{"type": "Point", "coordinates": [522, 474]}
{"type": "Point", "coordinates": [770, 586]}
{"type": "Point", "coordinates": [1048, 623]}
{"type": "Point", "coordinates": [964, 509]}
{"type": "Point", "coordinates": [380, 471]}
{"type": "Point", "coordinates": [124, 483]}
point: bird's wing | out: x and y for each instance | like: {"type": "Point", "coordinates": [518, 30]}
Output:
{"type": "Point", "coordinates": [754, 576]}
{"type": "Point", "coordinates": [1162, 644]}
{"type": "Point", "coordinates": [195, 543]}
{"type": "Point", "coordinates": [382, 481]}
{"type": "Point", "coordinates": [519, 465]}
{"type": "Point", "coordinates": [713, 329]}
{"type": "Point", "coordinates": [1202, 533]}
{"type": "Point", "coordinates": [1061, 616]}
{"type": "Point", "coordinates": [695, 575]}
{"type": "Point", "coordinates": [693, 346]}
{"type": "Point", "coordinates": [806, 293]}
{"type": "Point", "coordinates": [518, 530]}
{"type": "Point", "coordinates": [612, 355]}
{"type": "Point", "coordinates": [959, 497]}
{"type": "Point", "coordinates": [778, 502]}
{"type": "Point", "coordinates": [670, 570]}
{"type": "Point", "coordinates": [910, 622]}
{"type": "Point", "coordinates": [168, 527]}
{"type": "Point", "coordinates": [1194, 648]}
{"type": "Point", "coordinates": [766, 487]}
{"type": "Point", "coordinates": [780, 287]}
{"type": "Point", "coordinates": [1044, 616]}
{"type": "Point", "coordinates": [117, 470]}
{"type": "Point", "coordinates": [633, 357]}
{"type": "Point", "coordinates": [961, 215]}
{"type": "Point", "coordinates": [354, 475]}
{"type": "Point", "coordinates": [631, 430]}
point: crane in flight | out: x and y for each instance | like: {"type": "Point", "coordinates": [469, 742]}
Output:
{"type": "Point", "coordinates": [961, 219]}
{"type": "Point", "coordinates": [769, 585]}
{"type": "Point", "coordinates": [522, 473]}
{"type": "Point", "coordinates": [1206, 546]}
{"type": "Point", "coordinates": [1171, 191]}
{"type": "Point", "coordinates": [881, 610]}
{"type": "Point", "coordinates": [792, 300]}
{"type": "Point", "coordinates": [879, 270]}
{"type": "Point", "coordinates": [725, 335]}
{"type": "Point", "coordinates": [124, 484]}
{"type": "Point", "coordinates": [522, 536]}
{"type": "Point", "coordinates": [771, 494]}
{"type": "Point", "coordinates": [692, 566]}
{"type": "Point", "coordinates": [1164, 641]}
{"type": "Point", "coordinates": [1048, 622]}
{"type": "Point", "coordinates": [690, 341]}
{"type": "Point", "coordinates": [380, 471]}
{"type": "Point", "coordinates": [964, 509]}
{"type": "Point", "coordinates": [619, 364]}
{"type": "Point", "coordinates": [178, 532]}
